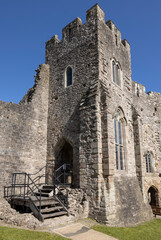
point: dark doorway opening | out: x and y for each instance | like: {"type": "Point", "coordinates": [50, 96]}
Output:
{"type": "Point", "coordinates": [153, 196]}
{"type": "Point", "coordinates": [64, 162]}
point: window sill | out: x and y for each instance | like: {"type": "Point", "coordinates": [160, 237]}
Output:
{"type": "Point", "coordinates": [66, 87]}
{"type": "Point", "coordinates": [150, 174]}
{"type": "Point", "coordinates": [117, 85]}
{"type": "Point", "coordinates": [120, 172]}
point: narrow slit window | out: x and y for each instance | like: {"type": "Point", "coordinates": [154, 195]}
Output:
{"type": "Point", "coordinates": [69, 76]}
{"type": "Point", "coordinates": [116, 39]}
{"type": "Point", "coordinates": [113, 71]}
{"type": "Point", "coordinates": [146, 159]}
{"type": "Point", "coordinates": [70, 34]}
{"type": "Point", "coordinates": [116, 73]}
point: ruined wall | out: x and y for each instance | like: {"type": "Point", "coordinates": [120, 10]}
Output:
{"type": "Point", "coordinates": [23, 131]}
{"type": "Point", "coordinates": [148, 115]}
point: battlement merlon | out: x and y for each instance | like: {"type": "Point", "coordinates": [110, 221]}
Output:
{"type": "Point", "coordinates": [54, 40]}
{"type": "Point", "coordinates": [95, 13]}
{"type": "Point", "coordinates": [71, 29]}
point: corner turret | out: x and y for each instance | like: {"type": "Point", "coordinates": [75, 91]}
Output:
{"type": "Point", "coordinates": [95, 13]}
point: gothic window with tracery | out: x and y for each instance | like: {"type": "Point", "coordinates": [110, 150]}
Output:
{"type": "Point", "coordinates": [148, 160]}
{"type": "Point", "coordinates": [119, 140]}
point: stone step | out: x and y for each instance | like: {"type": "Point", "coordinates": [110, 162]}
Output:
{"type": "Point", "coordinates": [56, 214]}
{"type": "Point", "coordinates": [52, 209]}
{"type": "Point", "coordinates": [46, 203]}
{"type": "Point", "coordinates": [46, 190]}
{"type": "Point", "coordinates": [51, 187]}
{"type": "Point", "coordinates": [43, 194]}
{"type": "Point", "coordinates": [42, 198]}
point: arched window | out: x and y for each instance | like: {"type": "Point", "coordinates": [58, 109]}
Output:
{"type": "Point", "coordinates": [69, 76]}
{"type": "Point", "coordinates": [149, 160]}
{"type": "Point", "coordinates": [116, 73]}
{"type": "Point", "coordinates": [119, 139]}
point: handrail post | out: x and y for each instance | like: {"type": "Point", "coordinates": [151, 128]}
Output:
{"type": "Point", "coordinates": [12, 187]}
{"type": "Point", "coordinates": [25, 185]}
{"type": "Point", "coordinates": [64, 171]}
{"type": "Point", "coordinates": [67, 198]}
{"type": "Point", "coordinates": [54, 182]}
{"type": "Point", "coordinates": [59, 173]}
{"type": "Point", "coordinates": [64, 177]}
{"type": "Point", "coordinates": [40, 203]}
{"type": "Point", "coordinates": [14, 183]}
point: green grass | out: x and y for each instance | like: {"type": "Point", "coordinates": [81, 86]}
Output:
{"type": "Point", "coordinates": [146, 231]}
{"type": "Point", "coordinates": [21, 234]}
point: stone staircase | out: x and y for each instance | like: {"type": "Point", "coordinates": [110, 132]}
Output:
{"type": "Point", "coordinates": [50, 205]}
{"type": "Point", "coordinates": [28, 194]}
{"type": "Point", "coordinates": [43, 204]}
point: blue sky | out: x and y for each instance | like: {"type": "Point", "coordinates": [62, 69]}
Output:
{"type": "Point", "coordinates": [26, 25]}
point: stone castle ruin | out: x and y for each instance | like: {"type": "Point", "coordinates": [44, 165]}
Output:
{"type": "Point", "coordinates": [85, 115]}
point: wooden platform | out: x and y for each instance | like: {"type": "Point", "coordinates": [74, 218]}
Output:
{"type": "Point", "coordinates": [42, 208]}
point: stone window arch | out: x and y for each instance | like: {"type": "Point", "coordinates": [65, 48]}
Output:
{"type": "Point", "coordinates": [116, 72]}
{"type": "Point", "coordinates": [68, 76]}
{"type": "Point", "coordinates": [119, 128]}
{"type": "Point", "coordinates": [149, 162]}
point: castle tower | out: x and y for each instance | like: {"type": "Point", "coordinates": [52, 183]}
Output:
{"type": "Point", "coordinates": [90, 121]}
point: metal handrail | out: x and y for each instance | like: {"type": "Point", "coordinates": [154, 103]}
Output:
{"type": "Point", "coordinates": [28, 187]}
{"type": "Point", "coordinates": [57, 183]}
{"type": "Point", "coordinates": [39, 170]}
{"type": "Point", "coordinates": [31, 184]}
{"type": "Point", "coordinates": [58, 198]}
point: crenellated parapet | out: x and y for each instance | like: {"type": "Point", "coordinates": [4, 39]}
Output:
{"type": "Point", "coordinates": [93, 16]}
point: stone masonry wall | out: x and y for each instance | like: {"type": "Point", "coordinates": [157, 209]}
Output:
{"type": "Point", "coordinates": [23, 131]}
{"type": "Point", "coordinates": [148, 112]}
{"type": "Point", "coordinates": [113, 96]}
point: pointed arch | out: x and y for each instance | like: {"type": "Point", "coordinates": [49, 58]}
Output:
{"type": "Point", "coordinates": [64, 158]}
{"type": "Point", "coordinates": [120, 112]}
{"type": "Point", "coordinates": [119, 129]}
{"type": "Point", "coordinates": [153, 196]}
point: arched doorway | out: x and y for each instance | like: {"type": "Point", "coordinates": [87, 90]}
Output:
{"type": "Point", "coordinates": [153, 196]}
{"type": "Point", "coordinates": [64, 162]}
